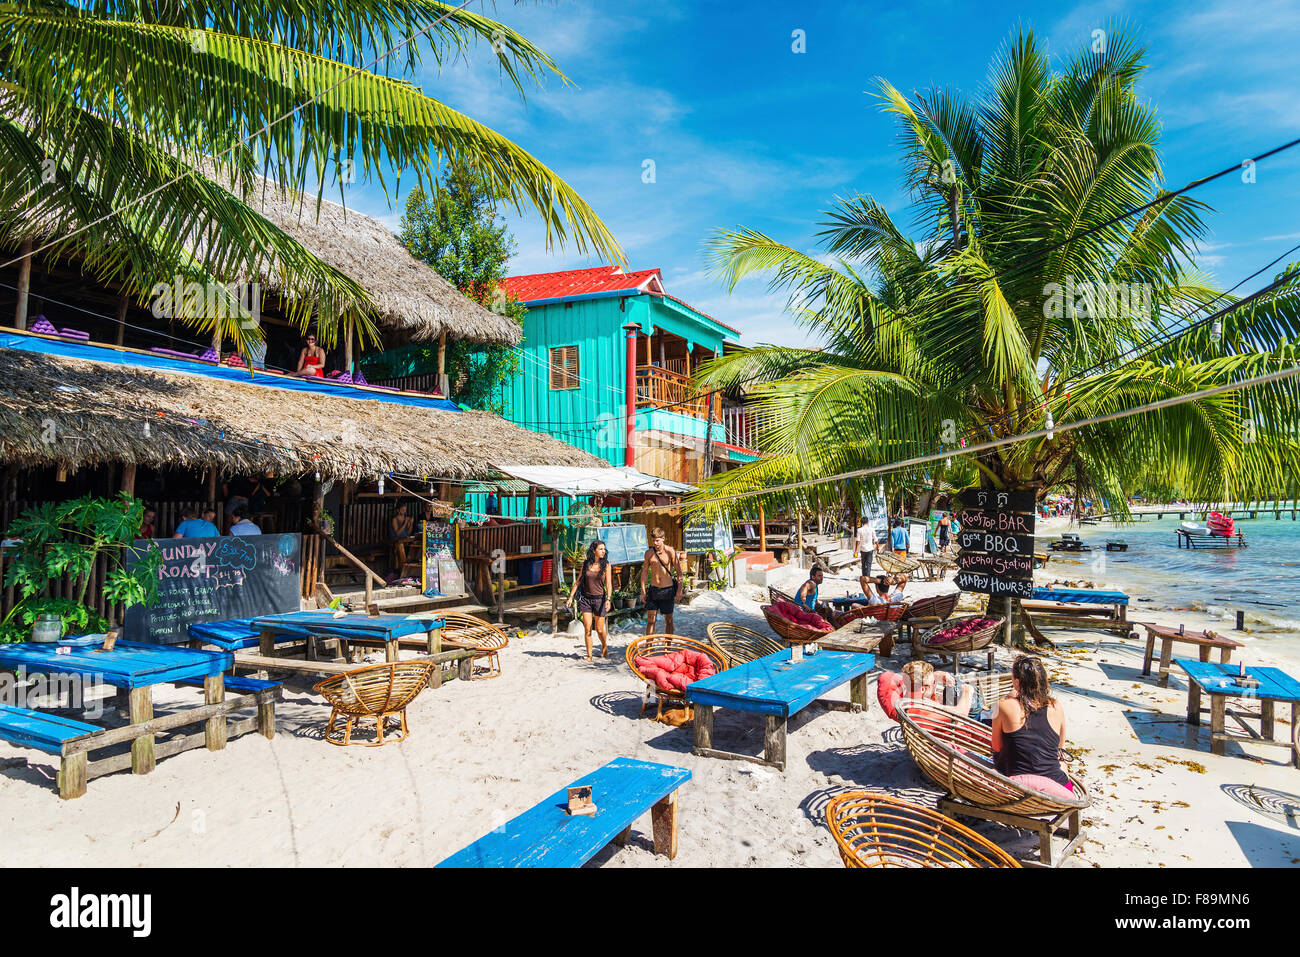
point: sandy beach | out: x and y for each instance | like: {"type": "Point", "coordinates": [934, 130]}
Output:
{"type": "Point", "coordinates": [484, 751]}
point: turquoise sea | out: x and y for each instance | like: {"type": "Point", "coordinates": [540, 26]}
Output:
{"type": "Point", "coordinates": [1263, 579]}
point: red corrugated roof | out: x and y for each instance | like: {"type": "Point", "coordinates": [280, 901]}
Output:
{"type": "Point", "coordinates": [582, 282]}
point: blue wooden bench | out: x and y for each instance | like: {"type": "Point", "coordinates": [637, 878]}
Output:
{"type": "Point", "coordinates": [49, 733]}
{"type": "Point", "coordinates": [548, 836]}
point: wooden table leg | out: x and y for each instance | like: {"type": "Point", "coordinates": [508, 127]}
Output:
{"type": "Point", "coordinates": [663, 822]}
{"type": "Point", "coordinates": [390, 650]}
{"type": "Point", "coordinates": [704, 726]}
{"type": "Point", "coordinates": [214, 692]}
{"type": "Point", "coordinates": [1193, 703]}
{"type": "Point", "coordinates": [774, 741]}
{"type": "Point", "coordinates": [1295, 733]}
{"type": "Point", "coordinates": [1204, 651]}
{"type": "Point", "coordinates": [141, 705]}
{"type": "Point", "coordinates": [1226, 656]}
{"type": "Point", "coordinates": [1218, 710]}
{"type": "Point", "coordinates": [1166, 656]}
{"type": "Point", "coordinates": [266, 642]}
{"type": "Point", "coordinates": [1150, 652]}
{"type": "Point", "coordinates": [1266, 719]}
{"type": "Point", "coordinates": [623, 836]}
{"type": "Point", "coordinates": [859, 691]}
{"type": "Point", "coordinates": [72, 775]}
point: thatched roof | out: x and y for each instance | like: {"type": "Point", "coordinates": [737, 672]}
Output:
{"type": "Point", "coordinates": [412, 299]}
{"type": "Point", "coordinates": [77, 412]}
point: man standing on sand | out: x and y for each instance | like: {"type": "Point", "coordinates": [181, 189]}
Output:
{"type": "Point", "coordinates": [898, 538]}
{"type": "Point", "coordinates": [865, 545]}
{"type": "Point", "coordinates": [658, 565]}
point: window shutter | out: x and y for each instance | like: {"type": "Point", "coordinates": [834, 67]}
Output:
{"type": "Point", "coordinates": [564, 367]}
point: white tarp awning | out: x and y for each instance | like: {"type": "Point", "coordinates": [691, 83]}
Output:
{"type": "Point", "coordinates": [571, 481]}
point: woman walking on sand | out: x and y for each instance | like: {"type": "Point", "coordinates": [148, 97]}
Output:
{"type": "Point", "coordinates": [591, 592]}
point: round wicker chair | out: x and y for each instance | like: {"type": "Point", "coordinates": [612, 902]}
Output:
{"type": "Point", "coordinates": [374, 693]}
{"type": "Point", "coordinates": [741, 644]}
{"type": "Point", "coordinates": [927, 612]}
{"type": "Point", "coordinates": [790, 630]}
{"type": "Point", "coordinates": [893, 565]}
{"type": "Point", "coordinates": [652, 646]}
{"type": "Point", "coordinates": [875, 830]}
{"type": "Point", "coordinates": [881, 611]}
{"type": "Point", "coordinates": [957, 753]}
{"type": "Point", "coordinates": [475, 634]}
{"type": "Point", "coordinates": [956, 647]}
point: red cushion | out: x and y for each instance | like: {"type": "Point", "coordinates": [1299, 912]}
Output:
{"type": "Point", "coordinates": [801, 616]}
{"type": "Point", "coordinates": [674, 671]}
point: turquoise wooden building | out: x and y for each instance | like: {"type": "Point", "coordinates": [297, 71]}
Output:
{"type": "Point", "coordinates": [604, 349]}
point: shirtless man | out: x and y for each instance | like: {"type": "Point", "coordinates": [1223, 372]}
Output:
{"type": "Point", "coordinates": [662, 590]}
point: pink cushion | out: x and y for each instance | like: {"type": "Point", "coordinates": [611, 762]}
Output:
{"type": "Point", "coordinates": [674, 671]}
{"type": "Point", "coordinates": [1036, 782]}
{"type": "Point", "coordinates": [960, 630]}
{"type": "Point", "coordinates": [801, 616]}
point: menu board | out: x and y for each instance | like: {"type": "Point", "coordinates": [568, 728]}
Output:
{"type": "Point", "coordinates": [700, 537]}
{"type": "Point", "coordinates": [216, 579]}
{"type": "Point", "coordinates": [442, 573]}
{"type": "Point", "coordinates": [624, 544]}
{"type": "Point", "coordinates": [997, 542]}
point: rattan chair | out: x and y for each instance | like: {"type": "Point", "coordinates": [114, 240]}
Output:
{"type": "Point", "coordinates": [927, 612]}
{"type": "Point", "coordinates": [957, 755]}
{"type": "Point", "coordinates": [876, 830]}
{"type": "Point", "coordinates": [652, 646]}
{"type": "Point", "coordinates": [474, 634]}
{"type": "Point", "coordinates": [741, 644]}
{"type": "Point", "coordinates": [791, 630]}
{"type": "Point", "coordinates": [973, 641]}
{"type": "Point", "coordinates": [893, 565]}
{"type": "Point", "coordinates": [374, 693]}
{"type": "Point", "coordinates": [881, 611]}
{"type": "Point", "coordinates": [775, 596]}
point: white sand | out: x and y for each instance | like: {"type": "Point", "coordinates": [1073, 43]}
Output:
{"type": "Point", "coordinates": [484, 751]}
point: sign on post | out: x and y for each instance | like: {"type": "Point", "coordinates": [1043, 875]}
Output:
{"type": "Point", "coordinates": [997, 542]}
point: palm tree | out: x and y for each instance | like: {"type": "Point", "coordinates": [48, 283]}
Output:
{"type": "Point", "coordinates": [107, 107]}
{"type": "Point", "coordinates": [1019, 300]}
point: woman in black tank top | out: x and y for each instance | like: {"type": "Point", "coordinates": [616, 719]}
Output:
{"type": "Point", "coordinates": [1024, 740]}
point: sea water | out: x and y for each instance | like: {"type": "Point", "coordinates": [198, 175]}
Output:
{"type": "Point", "coordinates": [1262, 580]}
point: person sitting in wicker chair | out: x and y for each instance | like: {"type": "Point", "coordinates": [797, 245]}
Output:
{"type": "Point", "coordinates": [1029, 726]}
{"type": "Point", "coordinates": [806, 596]}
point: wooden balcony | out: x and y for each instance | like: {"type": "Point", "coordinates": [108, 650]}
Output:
{"type": "Point", "coordinates": [659, 388]}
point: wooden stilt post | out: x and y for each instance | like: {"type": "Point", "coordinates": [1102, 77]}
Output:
{"type": "Point", "coordinates": [762, 530]}
{"type": "Point", "coordinates": [121, 319]}
{"type": "Point", "coordinates": [24, 284]}
{"type": "Point", "coordinates": [442, 365]}
{"type": "Point", "coordinates": [128, 478]}
{"type": "Point", "coordinates": [347, 345]}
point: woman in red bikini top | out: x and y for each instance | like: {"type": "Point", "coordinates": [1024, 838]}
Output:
{"type": "Point", "coordinates": [311, 360]}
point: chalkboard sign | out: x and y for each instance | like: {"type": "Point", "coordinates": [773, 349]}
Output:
{"type": "Point", "coordinates": [216, 579]}
{"type": "Point", "coordinates": [624, 544]}
{"type": "Point", "coordinates": [699, 537]}
{"type": "Point", "coordinates": [997, 542]}
{"type": "Point", "coordinates": [442, 574]}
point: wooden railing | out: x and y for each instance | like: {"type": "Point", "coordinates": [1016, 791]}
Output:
{"type": "Point", "coordinates": [658, 388]}
{"type": "Point", "coordinates": [741, 426]}
{"type": "Point", "coordinates": [424, 382]}
{"type": "Point", "coordinates": [481, 542]}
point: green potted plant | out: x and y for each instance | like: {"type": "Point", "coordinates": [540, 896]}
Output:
{"type": "Point", "coordinates": [66, 540]}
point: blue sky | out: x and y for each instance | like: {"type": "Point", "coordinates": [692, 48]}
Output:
{"type": "Point", "coordinates": [744, 131]}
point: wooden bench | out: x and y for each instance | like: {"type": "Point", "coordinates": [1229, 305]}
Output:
{"type": "Point", "coordinates": [49, 733]}
{"type": "Point", "coordinates": [546, 835]}
{"type": "Point", "coordinates": [1204, 641]}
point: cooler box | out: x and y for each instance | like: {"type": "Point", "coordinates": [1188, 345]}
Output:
{"type": "Point", "coordinates": [535, 571]}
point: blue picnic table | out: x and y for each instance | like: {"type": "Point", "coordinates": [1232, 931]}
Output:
{"type": "Point", "coordinates": [776, 686]}
{"type": "Point", "coordinates": [1222, 682]}
{"type": "Point", "coordinates": [362, 629]}
{"type": "Point", "coordinates": [135, 668]}
{"type": "Point", "coordinates": [546, 835]}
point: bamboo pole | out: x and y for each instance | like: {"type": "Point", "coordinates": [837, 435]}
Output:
{"type": "Point", "coordinates": [762, 530]}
